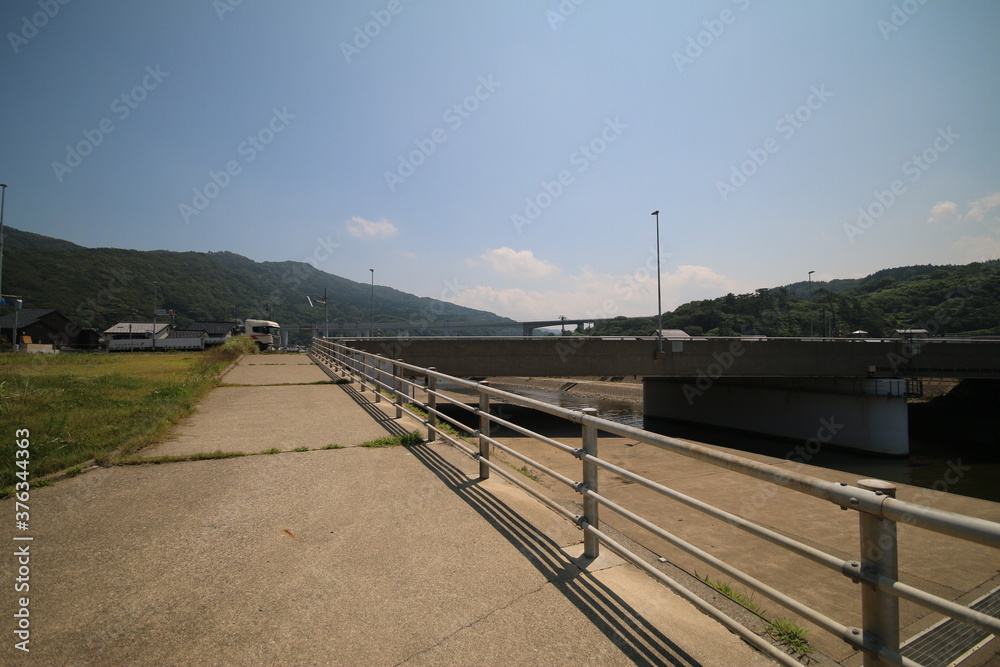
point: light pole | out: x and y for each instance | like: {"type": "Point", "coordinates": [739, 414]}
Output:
{"type": "Point", "coordinates": [371, 329]}
{"type": "Point", "coordinates": [659, 302]}
{"type": "Point", "coordinates": [156, 286]}
{"type": "Point", "coordinates": [810, 303]}
{"type": "Point", "coordinates": [326, 311]}
{"type": "Point", "coordinates": [3, 199]}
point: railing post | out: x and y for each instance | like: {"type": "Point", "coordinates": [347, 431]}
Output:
{"type": "Point", "coordinates": [399, 387]}
{"type": "Point", "coordinates": [364, 371]}
{"type": "Point", "coordinates": [879, 555]}
{"type": "Point", "coordinates": [484, 432]}
{"type": "Point", "coordinates": [591, 545]}
{"type": "Point", "coordinates": [377, 378]}
{"type": "Point", "coordinates": [431, 406]}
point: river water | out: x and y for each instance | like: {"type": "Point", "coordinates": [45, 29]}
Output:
{"type": "Point", "coordinates": [958, 467]}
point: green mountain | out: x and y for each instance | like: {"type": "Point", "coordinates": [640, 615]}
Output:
{"type": "Point", "coordinates": [97, 287]}
{"type": "Point", "coordinates": [942, 299]}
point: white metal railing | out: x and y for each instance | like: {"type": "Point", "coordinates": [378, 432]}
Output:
{"type": "Point", "coordinates": [878, 511]}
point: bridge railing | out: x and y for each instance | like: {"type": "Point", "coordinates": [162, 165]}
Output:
{"type": "Point", "coordinates": [876, 567]}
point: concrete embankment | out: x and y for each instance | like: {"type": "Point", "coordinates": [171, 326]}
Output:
{"type": "Point", "coordinates": [626, 391]}
{"type": "Point", "coordinates": [315, 556]}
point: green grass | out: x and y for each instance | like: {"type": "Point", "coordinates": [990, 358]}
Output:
{"type": "Point", "coordinates": [790, 635]}
{"type": "Point", "coordinates": [79, 407]}
{"type": "Point", "coordinates": [302, 448]}
{"type": "Point", "coordinates": [526, 471]}
{"type": "Point", "coordinates": [733, 594]}
{"type": "Point", "coordinates": [781, 630]}
{"type": "Point", "coordinates": [411, 438]}
{"type": "Point", "coordinates": [273, 450]}
{"type": "Point", "coordinates": [332, 446]}
{"type": "Point", "coordinates": [152, 460]}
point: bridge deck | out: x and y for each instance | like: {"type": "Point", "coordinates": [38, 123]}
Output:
{"type": "Point", "coordinates": [573, 356]}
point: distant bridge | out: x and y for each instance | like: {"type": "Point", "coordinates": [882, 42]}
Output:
{"type": "Point", "coordinates": [843, 392]}
{"type": "Point", "coordinates": [403, 329]}
{"type": "Point", "coordinates": [749, 357]}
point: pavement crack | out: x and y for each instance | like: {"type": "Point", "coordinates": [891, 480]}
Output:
{"type": "Point", "coordinates": [475, 622]}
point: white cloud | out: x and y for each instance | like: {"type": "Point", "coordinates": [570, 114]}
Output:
{"type": "Point", "coordinates": [947, 211]}
{"type": "Point", "coordinates": [944, 211]}
{"type": "Point", "coordinates": [978, 208]}
{"type": "Point", "coordinates": [976, 248]}
{"type": "Point", "coordinates": [367, 230]}
{"type": "Point", "coordinates": [518, 264]}
{"type": "Point", "coordinates": [600, 295]}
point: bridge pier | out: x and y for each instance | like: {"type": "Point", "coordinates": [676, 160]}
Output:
{"type": "Point", "coordinates": [856, 413]}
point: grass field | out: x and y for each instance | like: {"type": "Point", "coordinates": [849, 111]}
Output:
{"type": "Point", "coordinates": [79, 407]}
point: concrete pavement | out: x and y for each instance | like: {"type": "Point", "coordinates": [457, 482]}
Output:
{"type": "Point", "coordinates": [349, 556]}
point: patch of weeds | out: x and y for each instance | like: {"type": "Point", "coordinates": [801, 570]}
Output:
{"type": "Point", "coordinates": [442, 425]}
{"type": "Point", "coordinates": [526, 471]}
{"type": "Point", "coordinates": [74, 471]}
{"type": "Point", "coordinates": [784, 632]}
{"type": "Point", "coordinates": [787, 633]}
{"type": "Point", "coordinates": [331, 446]}
{"type": "Point", "coordinates": [303, 448]}
{"type": "Point", "coordinates": [202, 456]}
{"type": "Point", "coordinates": [273, 450]}
{"type": "Point", "coordinates": [733, 594]}
{"type": "Point", "coordinates": [411, 438]}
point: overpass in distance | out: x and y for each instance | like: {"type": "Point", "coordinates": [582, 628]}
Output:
{"type": "Point", "coordinates": [845, 392]}
{"type": "Point", "coordinates": [747, 357]}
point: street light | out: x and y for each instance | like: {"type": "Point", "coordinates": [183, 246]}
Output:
{"type": "Point", "coordinates": [3, 199]}
{"type": "Point", "coordinates": [156, 286]}
{"type": "Point", "coordinates": [659, 303]}
{"type": "Point", "coordinates": [326, 311]}
{"type": "Point", "coordinates": [810, 302]}
{"type": "Point", "coordinates": [371, 329]}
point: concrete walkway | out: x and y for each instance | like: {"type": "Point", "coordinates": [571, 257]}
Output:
{"type": "Point", "coordinates": [350, 556]}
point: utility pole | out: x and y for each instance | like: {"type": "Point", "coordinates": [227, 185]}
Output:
{"type": "Point", "coordinates": [3, 200]}
{"type": "Point", "coordinates": [810, 303]}
{"type": "Point", "coordinates": [659, 294]}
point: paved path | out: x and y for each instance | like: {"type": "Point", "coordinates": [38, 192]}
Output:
{"type": "Point", "coordinates": [349, 556]}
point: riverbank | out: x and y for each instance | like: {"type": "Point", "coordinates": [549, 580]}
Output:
{"type": "Point", "coordinates": [623, 390]}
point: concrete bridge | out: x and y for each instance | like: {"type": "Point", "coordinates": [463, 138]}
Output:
{"type": "Point", "coordinates": [844, 392]}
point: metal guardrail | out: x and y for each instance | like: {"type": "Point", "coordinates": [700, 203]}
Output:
{"type": "Point", "coordinates": [879, 512]}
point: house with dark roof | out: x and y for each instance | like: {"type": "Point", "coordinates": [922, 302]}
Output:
{"type": "Point", "coordinates": [135, 330]}
{"type": "Point", "coordinates": [45, 326]}
{"type": "Point", "coordinates": [218, 332]}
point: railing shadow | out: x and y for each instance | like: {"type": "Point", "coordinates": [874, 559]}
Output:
{"type": "Point", "coordinates": [392, 426]}
{"type": "Point", "coordinates": [639, 640]}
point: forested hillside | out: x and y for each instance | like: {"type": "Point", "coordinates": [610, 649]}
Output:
{"type": "Point", "coordinates": [97, 287]}
{"type": "Point", "coordinates": [942, 299]}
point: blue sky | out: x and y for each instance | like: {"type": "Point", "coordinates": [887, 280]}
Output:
{"type": "Point", "coordinates": [507, 155]}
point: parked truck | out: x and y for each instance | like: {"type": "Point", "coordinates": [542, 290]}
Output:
{"type": "Point", "coordinates": [265, 333]}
